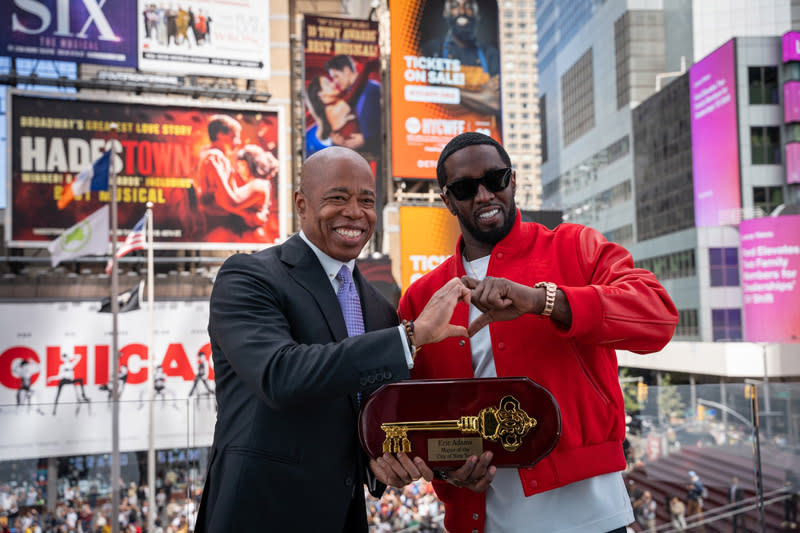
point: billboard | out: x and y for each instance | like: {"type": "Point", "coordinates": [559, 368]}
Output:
{"type": "Point", "coordinates": [342, 86]}
{"type": "Point", "coordinates": [213, 174]}
{"type": "Point", "coordinates": [770, 249]}
{"type": "Point", "coordinates": [791, 101]}
{"type": "Point", "coordinates": [715, 143]}
{"type": "Point", "coordinates": [205, 37]}
{"type": "Point", "coordinates": [791, 46]}
{"type": "Point", "coordinates": [428, 236]}
{"type": "Point", "coordinates": [445, 78]}
{"type": "Point", "coordinates": [69, 30]}
{"type": "Point", "coordinates": [793, 163]}
{"type": "Point", "coordinates": [54, 378]}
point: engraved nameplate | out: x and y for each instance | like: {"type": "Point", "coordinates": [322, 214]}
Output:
{"type": "Point", "coordinates": [454, 449]}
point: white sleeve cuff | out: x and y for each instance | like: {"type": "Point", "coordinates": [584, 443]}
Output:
{"type": "Point", "coordinates": [406, 350]}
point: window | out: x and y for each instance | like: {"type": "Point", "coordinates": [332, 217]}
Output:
{"type": "Point", "coordinates": [724, 265]}
{"type": "Point", "coordinates": [577, 99]}
{"type": "Point", "coordinates": [673, 266]}
{"type": "Point", "coordinates": [687, 323]}
{"type": "Point", "coordinates": [763, 85]}
{"type": "Point", "coordinates": [767, 198]}
{"type": "Point", "coordinates": [765, 144]}
{"type": "Point", "coordinates": [726, 324]}
{"type": "Point", "coordinates": [623, 235]}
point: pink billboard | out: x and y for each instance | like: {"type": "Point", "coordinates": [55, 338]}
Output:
{"type": "Point", "coordinates": [715, 145]}
{"type": "Point", "coordinates": [793, 163]}
{"type": "Point", "coordinates": [791, 101]}
{"type": "Point", "coordinates": [770, 249]}
{"type": "Point", "coordinates": [791, 46]}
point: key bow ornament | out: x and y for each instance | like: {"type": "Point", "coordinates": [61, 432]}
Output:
{"type": "Point", "coordinates": [507, 423]}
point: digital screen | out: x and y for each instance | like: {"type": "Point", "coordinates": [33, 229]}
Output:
{"type": "Point", "coordinates": [211, 173]}
{"type": "Point", "coordinates": [445, 79]}
{"type": "Point", "coordinates": [69, 30]}
{"type": "Point", "coordinates": [791, 101]}
{"type": "Point", "coordinates": [793, 163]}
{"type": "Point", "coordinates": [791, 46]}
{"type": "Point", "coordinates": [770, 249]}
{"type": "Point", "coordinates": [715, 146]}
{"type": "Point", "coordinates": [342, 86]}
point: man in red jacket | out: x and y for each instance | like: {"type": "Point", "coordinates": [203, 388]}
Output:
{"type": "Point", "coordinates": [552, 305]}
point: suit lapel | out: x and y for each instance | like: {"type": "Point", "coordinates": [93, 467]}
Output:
{"type": "Point", "coordinates": [306, 270]}
{"type": "Point", "coordinates": [368, 301]}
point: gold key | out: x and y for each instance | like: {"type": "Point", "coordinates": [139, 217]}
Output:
{"type": "Point", "coordinates": [506, 423]}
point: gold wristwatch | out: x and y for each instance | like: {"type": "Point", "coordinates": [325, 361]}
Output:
{"type": "Point", "coordinates": [550, 296]}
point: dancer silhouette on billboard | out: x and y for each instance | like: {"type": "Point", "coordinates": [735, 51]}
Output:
{"type": "Point", "coordinates": [66, 376]}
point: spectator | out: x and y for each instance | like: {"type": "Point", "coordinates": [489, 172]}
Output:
{"type": "Point", "coordinates": [645, 509]}
{"type": "Point", "coordinates": [677, 513]}
{"type": "Point", "coordinates": [695, 494]}
{"type": "Point", "coordinates": [791, 486]}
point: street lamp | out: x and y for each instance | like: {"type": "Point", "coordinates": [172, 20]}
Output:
{"type": "Point", "coordinates": [753, 425]}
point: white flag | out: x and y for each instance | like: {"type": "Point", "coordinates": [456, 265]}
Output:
{"type": "Point", "coordinates": [89, 236]}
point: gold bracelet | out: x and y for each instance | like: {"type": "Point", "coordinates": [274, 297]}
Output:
{"type": "Point", "coordinates": [412, 343]}
{"type": "Point", "coordinates": [550, 296]}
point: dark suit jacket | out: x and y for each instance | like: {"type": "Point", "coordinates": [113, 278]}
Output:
{"type": "Point", "coordinates": [735, 494]}
{"type": "Point", "coordinates": [286, 455]}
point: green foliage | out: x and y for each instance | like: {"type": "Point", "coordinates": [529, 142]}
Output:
{"type": "Point", "coordinates": [629, 392]}
{"type": "Point", "coordinates": [670, 402]}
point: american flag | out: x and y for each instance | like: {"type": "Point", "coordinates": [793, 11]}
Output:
{"type": "Point", "coordinates": [135, 240]}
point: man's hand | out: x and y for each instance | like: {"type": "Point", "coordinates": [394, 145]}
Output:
{"type": "Point", "coordinates": [487, 100]}
{"type": "Point", "coordinates": [394, 471]}
{"type": "Point", "coordinates": [433, 323]}
{"type": "Point", "coordinates": [499, 299]}
{"type": "Point", "coordinates": [354, 141]}
{"type": "Point", "coordinates": [476, 474]}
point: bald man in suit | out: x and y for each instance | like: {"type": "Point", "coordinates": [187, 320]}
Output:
{"type": "Point", "coordinates": [290, 370]}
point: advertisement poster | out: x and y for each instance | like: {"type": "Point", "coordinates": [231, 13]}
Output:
{"type": "Point", "coordinates": [791, 101]}
{"type": "Point", "coordinates": [55, 386]}
{"type": "Point", "coordinates": [428, 236]}
{"type": "Point", "coordinates": [770, 249]}
{"type": "Point", "coordinates": [212, 173]}
{"type": "Point", "coordinates": [205, 37]}
{"type": "Point", "coordinates": [445, 79]}
{"type": "Point", "coordinates": [715, 145]}
{"type": "Point", "coordinates": [342, 86]}
{"type": "Point", "coordinates": [83, 31]}
{"type": "Point", "coordinates": [791, 46]}
{"type": "Point", "coordinates": [793, 163]}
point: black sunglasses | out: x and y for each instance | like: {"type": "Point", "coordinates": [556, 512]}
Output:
{"type": "Point", "coordinates": [494, 181]}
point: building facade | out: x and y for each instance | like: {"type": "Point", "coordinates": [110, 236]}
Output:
{"type": "Point", "coordinates": [618, 154]}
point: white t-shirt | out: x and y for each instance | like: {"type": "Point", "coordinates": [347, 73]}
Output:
{"type": "Point", "coordinates": [597, 504]}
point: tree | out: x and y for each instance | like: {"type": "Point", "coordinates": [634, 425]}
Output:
{"type": "Point", "coordinates": [630, 391]}
{"type": "Point", "coordinates": [670, 403]}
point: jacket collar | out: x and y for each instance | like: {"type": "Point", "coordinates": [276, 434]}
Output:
{"type": "Point", "coordinates": [509, 245]}
{"type": "Point", "coordinates": [305, 269]}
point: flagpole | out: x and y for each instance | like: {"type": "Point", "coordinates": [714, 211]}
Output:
{"type": "Point", "coordinates": [115, 463]}
{"type": "Point", "coordinates": [151, 356]}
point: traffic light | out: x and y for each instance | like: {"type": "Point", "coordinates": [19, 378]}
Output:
{"type": "Point", "coordinates": [641, 391]}
{"type": "Point", "coordinates": [748, 391]}
{"type": "Point", "coordinates": [701, 412]}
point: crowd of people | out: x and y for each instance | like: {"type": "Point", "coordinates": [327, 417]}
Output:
{"type": "Point", "coordinates": [414, 507]}
{"type": "Point", "coordinates": [23, 510]}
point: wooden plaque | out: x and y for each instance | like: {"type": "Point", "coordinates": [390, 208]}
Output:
{"type": "Point", "coordinates": [446, 421]}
